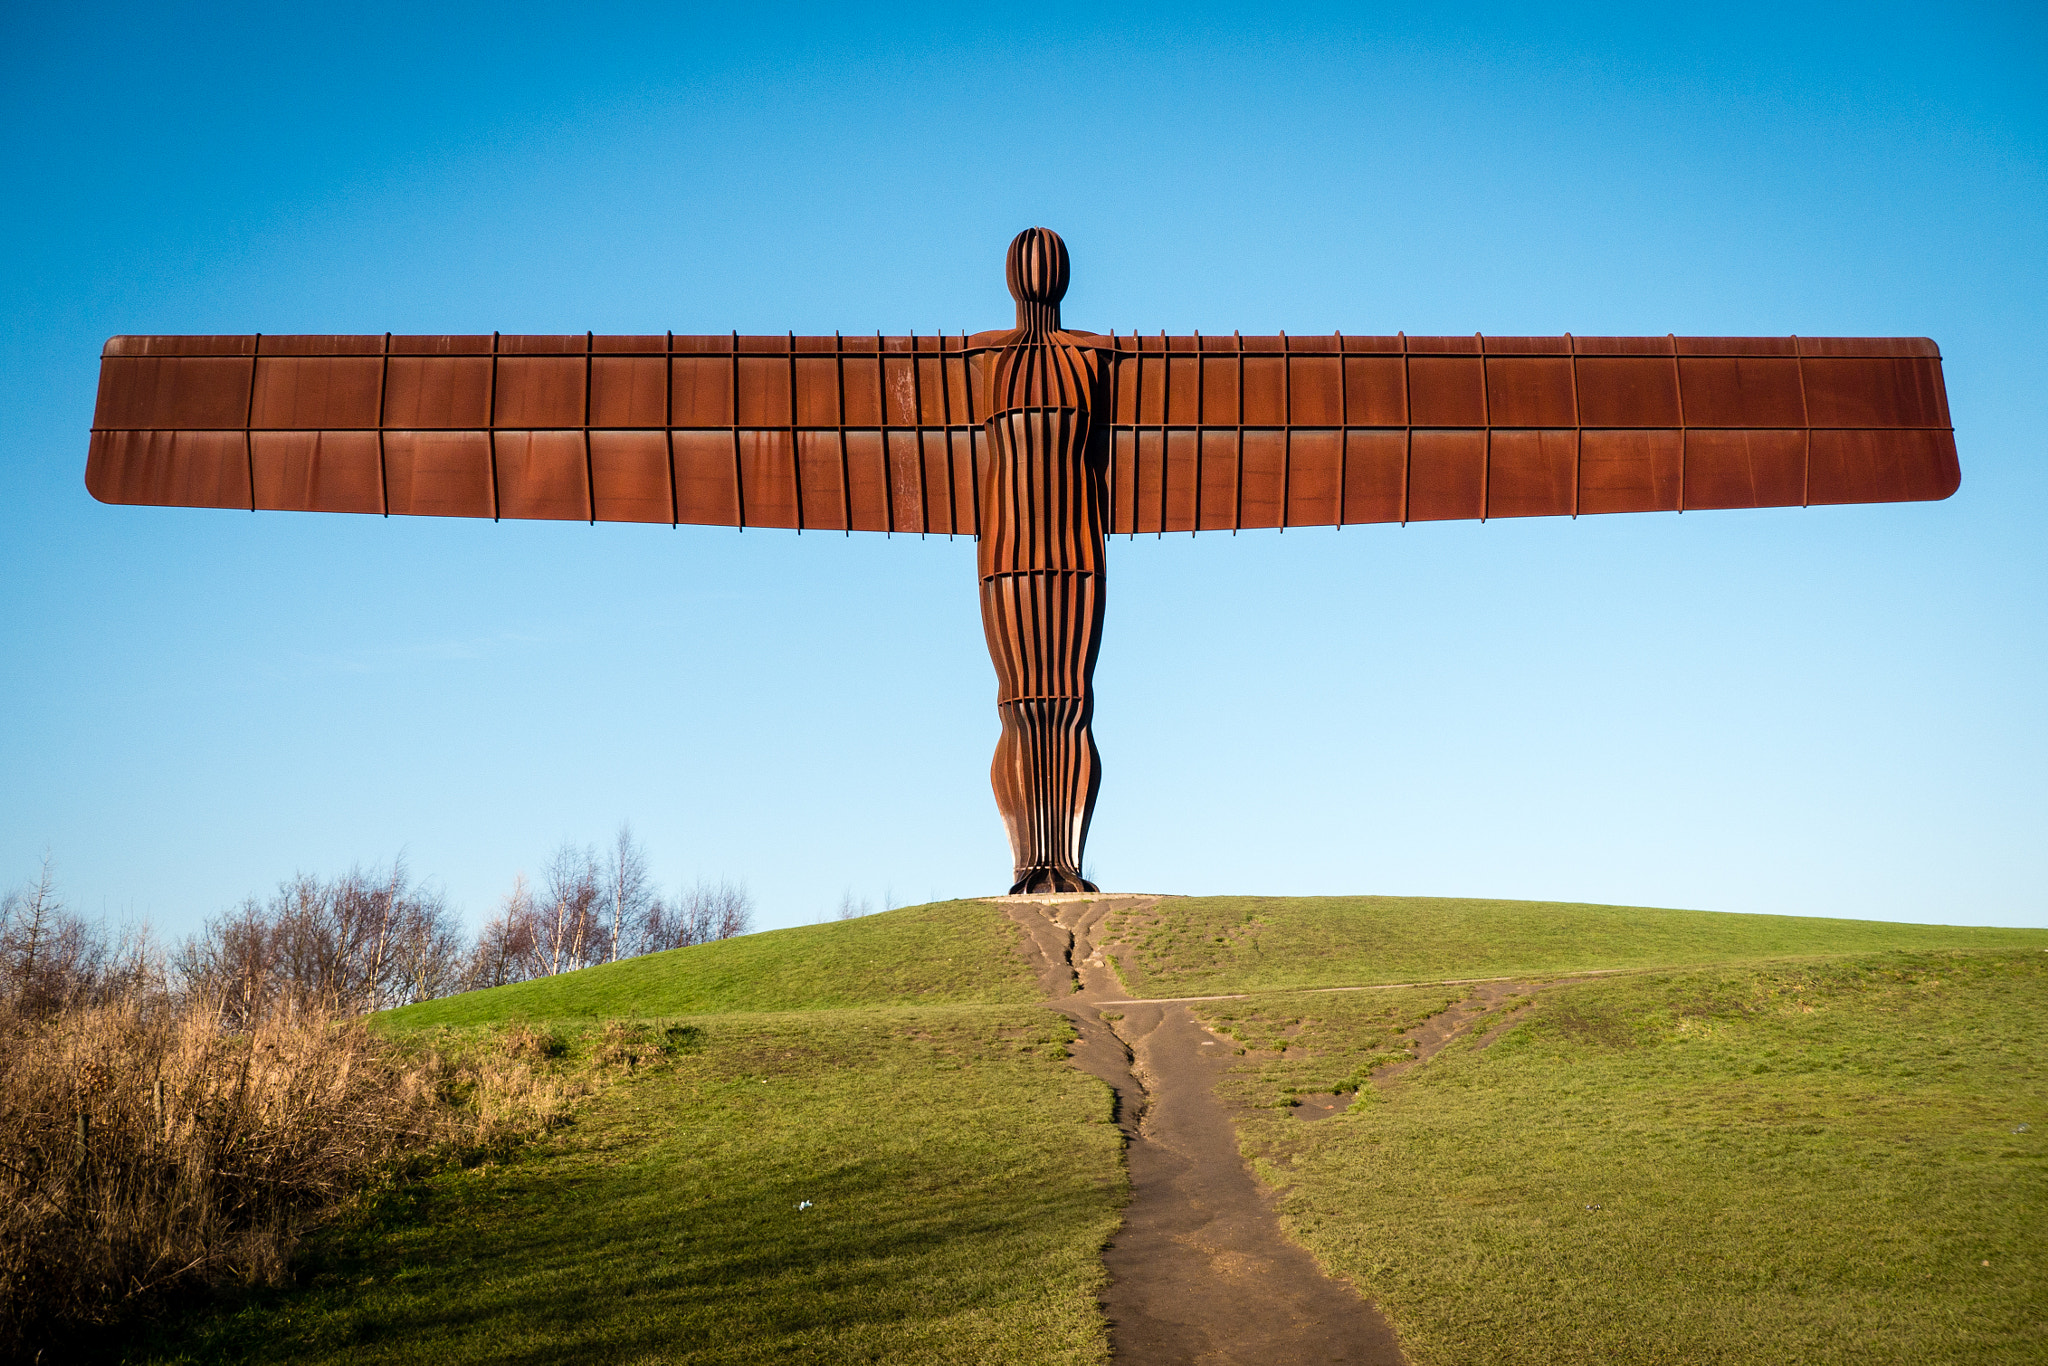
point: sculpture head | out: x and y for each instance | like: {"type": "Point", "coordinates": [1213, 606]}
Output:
{"type": "Point", "coordinates": [1037, 273]}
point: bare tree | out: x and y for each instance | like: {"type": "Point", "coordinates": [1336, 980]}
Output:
{"type": "Point", "coordinates": [230, 964]}
{"type": "Point", "coordinates": [571, 892]}
{"type": "Point", "coordinates": [697, 915]}
{"type": "Point", "coordinates": [851, 908]}
{"type": "Point", "coordinates": [630, 892]}
{"type": "Point", "coordinates": [49, 957]}
{"type": "Point", "coordinates": [735, 911]}
{"type": "Point", "coordinates": [364, 941]}
{"type": "Point", "coordinates": [505, 947]}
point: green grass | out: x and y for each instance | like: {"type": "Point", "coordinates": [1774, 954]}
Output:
{"type": "Point", "coordinates": [944, 953]}
{"type": "Point", "coordinates": [1201, 945]}
{"type": "Point", "coordinates": [962, 1179]}
{"type": "Point", "coordinates": [1799, 1162]}
{"type": "Point", "coordinates": [1798, 1133]}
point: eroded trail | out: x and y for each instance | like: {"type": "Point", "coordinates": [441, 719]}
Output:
{"type": "Point", "coordinates": [1200, 1272]}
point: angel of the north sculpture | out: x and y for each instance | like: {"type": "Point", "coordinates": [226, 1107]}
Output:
{"type": "Point", "coordinates": [1038, 441]}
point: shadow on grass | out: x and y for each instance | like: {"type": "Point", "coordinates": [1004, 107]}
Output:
{"type": "Point", "coordinates": [622, 1265]}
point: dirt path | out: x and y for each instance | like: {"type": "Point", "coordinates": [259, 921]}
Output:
{"type": "Point", "coordinates": [1200, 1274]}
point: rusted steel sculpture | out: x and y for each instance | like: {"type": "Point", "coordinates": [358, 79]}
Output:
{"type": "Point", "coordinates": [1038, 441]}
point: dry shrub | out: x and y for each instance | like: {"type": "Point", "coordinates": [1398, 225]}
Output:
{"type": "Point", "coordinates": [143, 1146]}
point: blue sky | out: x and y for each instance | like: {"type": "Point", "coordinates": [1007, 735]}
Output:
{"type": "Point", "coordinates": [1834, 711]}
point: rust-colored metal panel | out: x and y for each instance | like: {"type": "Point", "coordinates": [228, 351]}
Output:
{"type": "Point", "coordinates": [703, 390]}
{"type": "Point", "coordinates": [629, 391]}
{"type": "Point", "coordinates": [1375, 476]}
{"type": "Point", "coordinates": [179, 346]}
{"type": "Point", "coordinates": [707, 478]}
{"type": "Point", "coordinates": [439, 474]}
{"type": "Point", "coordinates": [469, 344]}
{"type": "Point", "coordinates": [768, 494]}
{"type": "Point", "coordinates": [1869, 391]}
{"type": "Point", "coordinates": [312, 393]}
{"type": "Point", "coordinates": [1872, 466]}
{"type": "Point", "coordinates": [1742, 391]}
{"type": "Point", "coordinates": [1530, 391]}
{"type": "Point", "coordinates": [1374, 392]}
{"type": "Point", "coordinates": [1446, 391]}
{"type": "Point", "coordinates": [1217, 485]}
{"type": "Point", "coordinates": [541, 391]}
{"type": "Point", "coordinates": [825, 479]}
{"type": "Point", "coordinates": [544, 476]}
{"type": "Point", "coordinates": [1446, 476]}
{"type": "Point", "coordinates": [1532, 473]}
{"type": "Point", "coordinates": [1744, 469]}
{"type": "Point", "coordinates": [1637, 391]}
{"type": "Point", "coordinates": [449, 393]}
{"type": "Point", "coordinates": [169, 469]}
{"type": "Point", "coordinates": [1315, 477]}
{"type": "Point", "coordinates": [173, 393]}
{"type": "Point", "coordinates": [629, 474]}
{"type": "Point", "coordinates": [317, 471]}
{"type": "Point", "coordinates": [904, 474]}
{"type": "Point", "coordinates": [1262, 479]}
{"type": "Point", "coordinates": [1629, 471]}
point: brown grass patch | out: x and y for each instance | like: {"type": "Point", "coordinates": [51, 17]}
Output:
{"type": "Point", "coordinates": [144, 1146]}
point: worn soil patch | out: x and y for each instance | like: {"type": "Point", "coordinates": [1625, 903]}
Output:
{"type": "Point", "coordinates": [1199, 1272]}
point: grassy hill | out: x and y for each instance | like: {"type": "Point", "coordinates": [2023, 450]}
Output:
{"type": "Point", "coordinates": [1202, 945]}
{"type": "Point", "coordinates": [1775, 1139]}
{"type": "Point", "coordinates": [945, 953]}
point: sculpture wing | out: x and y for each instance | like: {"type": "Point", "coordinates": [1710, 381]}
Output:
{"type": "Point", "coordinates": [1218, 433]}
{"type": "Point", "coordinates": [855, 433]}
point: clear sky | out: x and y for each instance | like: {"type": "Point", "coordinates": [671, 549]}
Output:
{"type": "Point", "coordinates": [1835, 711]}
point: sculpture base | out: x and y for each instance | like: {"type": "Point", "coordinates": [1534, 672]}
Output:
{"type": "Point", "coordinates": [1036, 881]}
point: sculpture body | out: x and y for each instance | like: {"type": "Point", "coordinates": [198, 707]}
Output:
{"type": "Point", "coordinates": [1038, 441]}
{"type": "Point", "coordinates": [1040, 555]}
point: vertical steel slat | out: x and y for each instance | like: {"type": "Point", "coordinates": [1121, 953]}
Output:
{"type": "Point", "coordinates": [917, 411]}
{"type": "Point", "coordinates": [1678, 388]}
{"type": "Point", "coordinates": [383, 387]}
{"type": "Point", "coordinates": [946, 417]}
{"type": "Point", "coordinates": [1137, 429]}
{"type": "Point", "coordinates": [1408, 419]}
{"type": "Point", "coordinates": [1200, 396]}
{"type": "Point", "coordinates": [490, 416]}
{"type": "Point", "coordinates": [1287, 428]}
{"type": "Point", "coordinates": [1806, 421]}
{"type": "Point", "coordinates": [739, 488]}
{"type": "Point", "coordinates": [1165, 417]}
{"type": "Point", "coordinates": [1485, 416]}
{"type": "Point", "coordinates": [796, 459]}
{"type": "Point", "coordinates": [249, 419]}
{"type": "Point", "coordinates": [881, 412]}
{"type": "Point", "coordinates": [668, 424]}
{"type": "Point", "coordinates": [589, 469]}
{"type": "Point", "coordinates": [1578, 426]}
{"type": "Point", "coordinates": [1109, 434]}
{"type": "Point", "coordinates": [1237, 494]}
{"type": "Point", "coordinates": [839, 402]}
{"type": "Point", "coordinates": [973, 459]}
{"type": "Point", "coordinates": [1343, 432]}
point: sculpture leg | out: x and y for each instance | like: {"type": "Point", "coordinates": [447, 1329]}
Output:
{"type": "Point", "coordinates": [1044, 628]}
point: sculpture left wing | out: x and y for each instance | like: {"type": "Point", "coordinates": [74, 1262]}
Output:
{"type": "Point", "coordinates": [1223, 433]}
{"type": "Point", "coordinates": [824, 433]}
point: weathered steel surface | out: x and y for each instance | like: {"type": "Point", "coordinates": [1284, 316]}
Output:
{"type": "Point", "coordinates": [1041, 563]}
{"type": "Point", "coordinates": [1039, 441]}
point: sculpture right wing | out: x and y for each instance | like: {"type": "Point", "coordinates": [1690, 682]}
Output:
{"type": "Point", "coordinates": [1225, 433]}
{"type": "Point", "coordinates": [821, 433]}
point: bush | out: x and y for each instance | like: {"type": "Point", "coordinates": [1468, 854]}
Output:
{"type": "Point", "coordinates": [142, 1147]}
